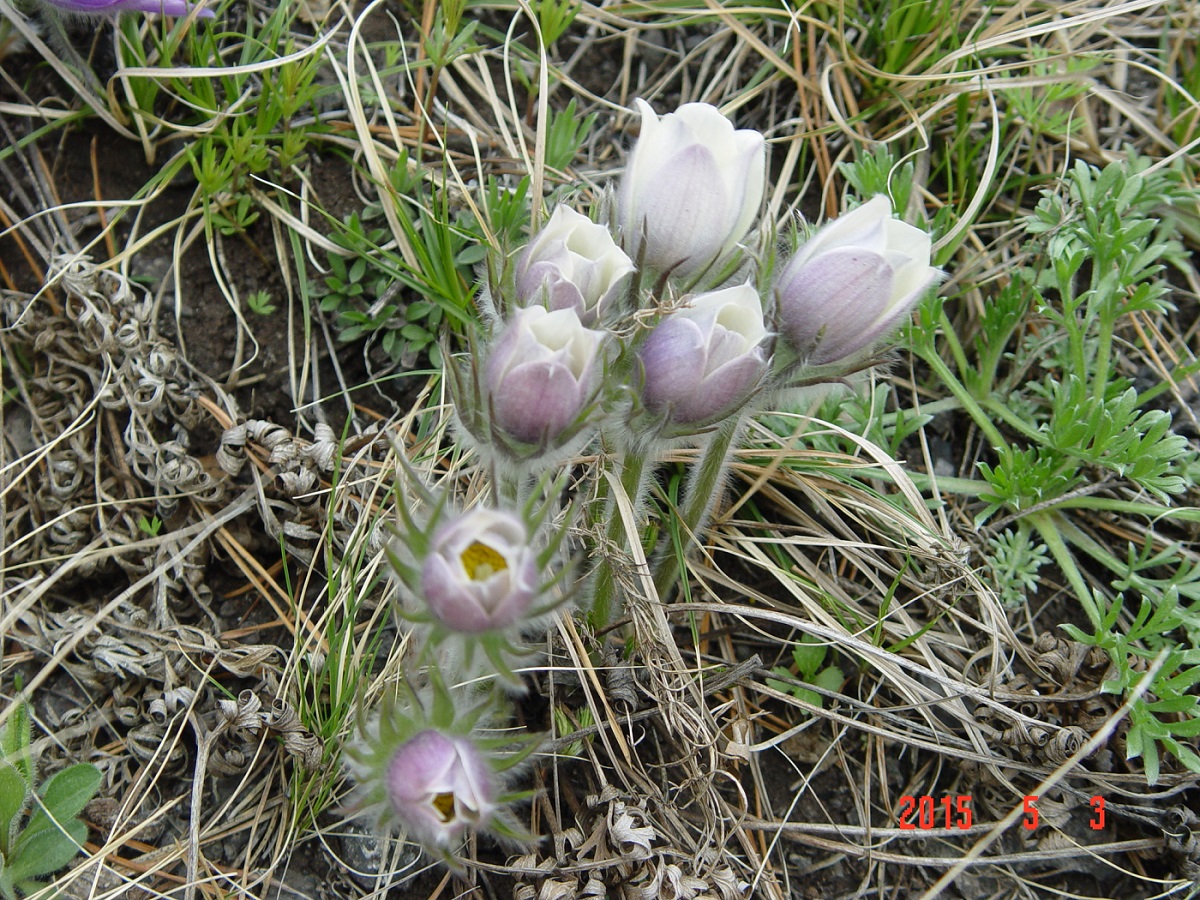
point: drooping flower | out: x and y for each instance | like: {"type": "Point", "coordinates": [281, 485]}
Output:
{"type": "Point", "coordinates": [691, 190]}
{"type": "Point", "coordinates": [540, 374]}
{"type": "Point", "coordinates": [165, 7]}
{"type": "Point", "coordinates": [480, 573]}
{"type": "Point", "coordinates": [439, 788]}
{"type": "Point", "coordinates": [572, 263]}
{"type": "Point", "coordinates": [852, 282]}
{"type": "Point", "coordinates": [703, 362]}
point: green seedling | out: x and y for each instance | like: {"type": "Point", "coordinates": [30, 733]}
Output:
{"type": "Point", "coordinates": [40, 831]}
{"type": "Point", "coordinates": [259, 303]}
{"type": "Point", "coordinates": [149, 526]}
{"type": "Point", "coordinates": [566, 722]}
{"type": "Point", "coordinates": [555, 17]}
{"type": "Point", "coordinates": [808, 657]}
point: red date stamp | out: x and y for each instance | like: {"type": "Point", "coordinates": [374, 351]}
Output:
{"type": "Point", "coordinates": [927, 813]}
{"type": "Point", "coordinates": [954, 812]}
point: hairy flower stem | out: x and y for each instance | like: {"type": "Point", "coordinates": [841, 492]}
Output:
{"type": "Point", "coordinates": [634, 478]}
{"type": "Point", "coordinates": [510, 488]}
{"type": "Point", "coordinates": [703, 488]}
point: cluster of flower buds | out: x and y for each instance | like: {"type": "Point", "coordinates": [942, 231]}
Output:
{"type": "Point", "coordinates": [677, 262]}
{"type": "Point", "coordinates": [654, 327]}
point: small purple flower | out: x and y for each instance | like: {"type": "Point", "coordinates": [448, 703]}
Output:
{"type": "Point", "coordinates": [481, 573]}
{"type": "Point", "coordinates": [540, 374]}
{"type": "Point", "coordinates": [99, 7]}
{"type": "Point", "coordinates": [852, 283]}
{"type": "Point", "coordinates": [703, 362]}
{"type": "Point", "coordinates": [440, 787]}
{"type": "Point", "coordinates": [572, 263]}
{"type": "Point", "coordinates": [691, 190]}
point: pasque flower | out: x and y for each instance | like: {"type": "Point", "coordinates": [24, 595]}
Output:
{"type": "Point", "coordinates": [572, 263]}
{"type": "Point", "coordinates": [166, 7]}
{"type": "Point", "coordinates": [480, 573]}
{"type": "Point", "coordinates": [852, 282]}
{"type": "Point", "coordinates": [691, 190]}
{"type": "Point", "coordinates": [540, 374]}
{"type": "Point", "coordinates": [439, 787]}
{"type": "Point", "coordinates": [704, 361]}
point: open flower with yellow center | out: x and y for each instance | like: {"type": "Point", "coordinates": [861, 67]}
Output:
{"type": "Point", "coordinates": [480, 573]}
{"type": "Point", "coordinates": [427, 762]}
{"type": "Point", "coordinates": [439, 787]}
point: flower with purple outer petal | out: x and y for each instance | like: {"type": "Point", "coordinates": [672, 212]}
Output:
{"type": "Point", "coordinates": [852, 282]}
{"type": "Point", "coordinates": [540, 374]}
{"type": "Point", "coordinates": [166, 7]}
{"type": "Point", "coordinates": [480, 573]}
{"type": "Point", "coordinates": [703, 362]}
{"type": "Point", "coordinates": [691, 190]}
{"type": "Point", "coordinates": [572, 263]}
{"type": "Point", "coordinates": [440, 787]}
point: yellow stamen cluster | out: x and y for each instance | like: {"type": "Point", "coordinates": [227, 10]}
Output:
{"type": "Point", "coordinates": [444, 804]}
{"type": "Point", "coordinates": [481, 562]}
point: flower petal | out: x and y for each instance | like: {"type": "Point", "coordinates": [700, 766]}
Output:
{"type": "Point", "coordinates": [536, 400]}
{"type": "Point", "coordinates": [723, 390]}
{"type": "Point", "coordinates": [673, 361]}
{"type": "Point", "coordinates": [686, 227]}
{"type": "Point", "coordinates": [834, 297]}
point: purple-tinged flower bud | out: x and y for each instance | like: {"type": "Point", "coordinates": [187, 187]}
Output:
{"type": "Point", "coordinates": [852, 282]}
{"type": "Point", "coordinates": [691, 190]}
{"type": "Point", "coordinates": [572, 263]}
{"type": "Point", "coordinates": [95, 7]}
{"type": "Point", "coordinates": [481, 573]}
{"type": "Point", "coordinates": [440, 787]}
{"type": "Point", "coordinates": [540, 374]}
{"type": "Point", "coordinates": [703, 362]}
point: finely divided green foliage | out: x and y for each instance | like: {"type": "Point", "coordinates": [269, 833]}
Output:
{"type": "Point", "coordinates": [39, 831]}
{"type": "Point", "coordinates": [1069, 428]}
{"type": "Point", "coordinates": [1068, 431]}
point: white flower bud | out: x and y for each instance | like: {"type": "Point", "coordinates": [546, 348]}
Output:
{"type": "Point", "coordinates": [691, 190]}
{"type": "Point", "coordinates": [852, 282]}
{"type": "Point", "coordinates": [540, 374]}
{"type": "Point", "coordinates": [703, 362]}
{"type": "Point", "coordinates": [572, 263]}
